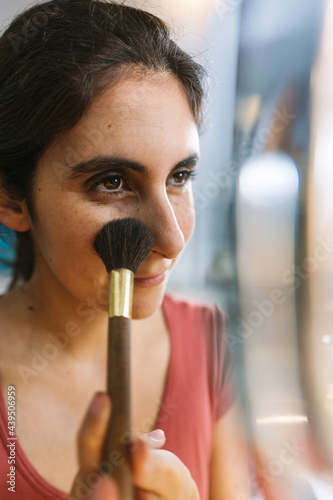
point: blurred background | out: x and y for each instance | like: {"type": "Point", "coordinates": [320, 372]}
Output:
{"type": "Point", "coordinates": [262, 244]}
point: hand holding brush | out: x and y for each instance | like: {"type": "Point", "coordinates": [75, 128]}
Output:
{"type": "Point", "coordinates": [123, 245]}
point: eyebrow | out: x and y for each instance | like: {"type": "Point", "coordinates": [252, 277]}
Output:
{"type": "Point", "coordinates": [107, 163]}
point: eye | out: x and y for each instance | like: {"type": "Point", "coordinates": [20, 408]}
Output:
{"type": "Point", "coordinates": [182, 177]}
{"type": "Point", "coordinates": [114, 183]}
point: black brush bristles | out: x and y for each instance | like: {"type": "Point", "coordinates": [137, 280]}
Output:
{"type": "Point", "coordinates": [124, 244]}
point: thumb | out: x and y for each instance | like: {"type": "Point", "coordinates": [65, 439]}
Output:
{"type": "Point", "coordinates": [161, 473]}
{"type": "Point", "coordinates": [155, 439]}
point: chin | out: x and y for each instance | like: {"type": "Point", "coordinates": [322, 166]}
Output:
{"type": "Point", "coordinates": [146, 302]}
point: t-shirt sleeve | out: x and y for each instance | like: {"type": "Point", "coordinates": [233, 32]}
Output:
{"type": "Point", "coordinates": [223, 376]}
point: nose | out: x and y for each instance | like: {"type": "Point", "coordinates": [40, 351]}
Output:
{"type": "Point", "coordinates": [160, 216]}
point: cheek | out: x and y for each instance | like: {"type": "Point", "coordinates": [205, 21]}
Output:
{"type": "Point", "coordinates": [61, 223]}
{"type": "Point", "coordinates": [65, 253]}
{"type": "Point", "coordinates": [63, 234]}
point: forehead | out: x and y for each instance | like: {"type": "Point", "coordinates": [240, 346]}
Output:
{"type": "Point", "coordinates": [147, 116]}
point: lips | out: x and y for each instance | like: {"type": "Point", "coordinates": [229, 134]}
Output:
{"type": "Point", "coordinates": [150, 280]}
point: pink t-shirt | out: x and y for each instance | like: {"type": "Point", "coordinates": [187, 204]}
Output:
{"type": "Point", "coordinates": [199, 390]}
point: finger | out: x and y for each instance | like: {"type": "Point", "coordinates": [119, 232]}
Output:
{"type": "Point", "coordinates": [91, 440]}
{"type": "Point", "coordinates": [155, 439]}
{"type": "Point", "coordinates": [92, 432]}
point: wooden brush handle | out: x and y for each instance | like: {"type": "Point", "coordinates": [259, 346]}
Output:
{"type": "Point", "coordinates": [117, 442]}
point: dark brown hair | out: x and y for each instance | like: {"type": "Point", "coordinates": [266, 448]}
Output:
{"type": "Point", "coordinates": [55, 58]}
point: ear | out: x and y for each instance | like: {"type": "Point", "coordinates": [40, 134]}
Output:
{"type": "Point", "coordinates": [14, 214]}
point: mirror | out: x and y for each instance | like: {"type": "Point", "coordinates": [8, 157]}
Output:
{"type": "Point", "coordinates": [317, 345]}
{"type": "Point", "coordinates": [284, 116]}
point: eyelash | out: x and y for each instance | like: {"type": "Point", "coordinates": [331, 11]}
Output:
{"type": "Point", "coordinates": [104, 180]}
{"type": "Point", "coordinates": [190, 175]}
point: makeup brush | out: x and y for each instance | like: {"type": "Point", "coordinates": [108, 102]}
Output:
{"type": "Point", "coordinates": [122, 244]}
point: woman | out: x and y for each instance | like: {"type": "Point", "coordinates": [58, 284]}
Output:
{"type": "Point", "coordinates": [99, 118]}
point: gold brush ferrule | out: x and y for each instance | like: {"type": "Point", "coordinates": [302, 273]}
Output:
{"type": "Point", "coordinates": [121, 293]}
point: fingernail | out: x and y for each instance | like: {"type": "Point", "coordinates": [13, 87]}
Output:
{"type": "Point", "coordinates": [156, 435]}
{"type": "Point", "coordinates": [98, 404]}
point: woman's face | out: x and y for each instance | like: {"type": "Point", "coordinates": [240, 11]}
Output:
{"type": "Point", "coordinates": [131, 155]}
